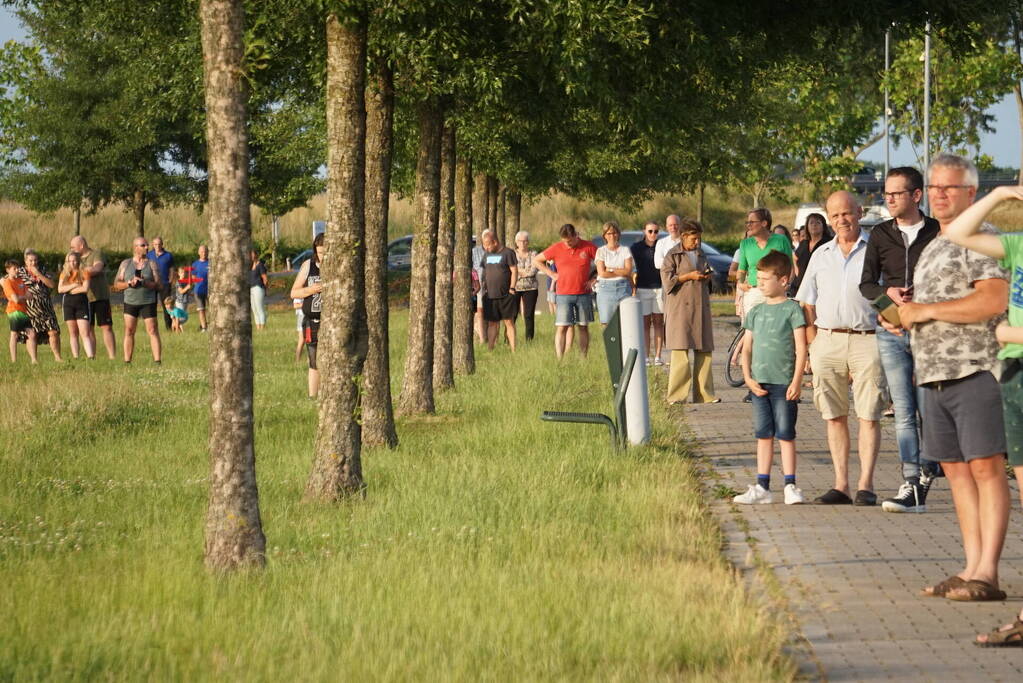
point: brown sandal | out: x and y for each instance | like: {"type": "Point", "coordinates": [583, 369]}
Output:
{"type": "Point", "coordinates": [976, 591]}
{"type": "Point", "coordinates": [940, 589]}
{"type": "Point", "coordinates": [1010, 637]}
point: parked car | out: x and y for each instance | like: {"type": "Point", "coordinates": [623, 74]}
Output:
{"type": "Point", "coordinates": [718, 261]}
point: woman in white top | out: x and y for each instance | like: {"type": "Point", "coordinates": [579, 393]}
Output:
{"type": "Point", "coordinates": [614, 273]}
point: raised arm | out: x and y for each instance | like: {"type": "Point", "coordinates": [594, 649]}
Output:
{"type": "Point", "coordinates": [965, 229]}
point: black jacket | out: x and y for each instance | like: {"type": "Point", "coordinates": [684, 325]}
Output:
{"type": "Point", "coordinates": [885, 259]}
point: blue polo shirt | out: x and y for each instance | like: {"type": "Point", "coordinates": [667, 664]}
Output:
{"type": "Point", "coordinates": [201, 272]}
{"type": "Point", "coordinates": [163, 263]}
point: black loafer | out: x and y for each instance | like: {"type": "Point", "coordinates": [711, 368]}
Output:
{"type": "Point", "coordinates": [833, 497]}
{"type": "Point", "coordinates": [866, 498]}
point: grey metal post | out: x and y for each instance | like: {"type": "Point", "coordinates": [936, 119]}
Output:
{"type": "Point", "coordinates": [927, 102]}
{"type": "Point", "coordinates": [887, 66]}
{"type": "Point", "coordinates": [637, 406]}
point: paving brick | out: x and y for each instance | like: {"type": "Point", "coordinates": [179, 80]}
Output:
{"type": "Point", "coordinates": [852, 575]}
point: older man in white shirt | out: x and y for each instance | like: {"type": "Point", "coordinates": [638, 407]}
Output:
{"type": "Point", "coordinates": [840, 330]}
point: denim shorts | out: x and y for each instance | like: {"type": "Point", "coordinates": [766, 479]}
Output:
{"type": "Point", "coordinates": [1012, 411]}
{"type": "Point", "coordinates": [574, 309]}
{"type": "Point", "coordinates": [774, 416]}
{"type": "Point", "coordinates": [609, 295]}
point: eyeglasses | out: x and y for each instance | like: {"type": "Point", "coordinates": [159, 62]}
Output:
{"type": "Point", "coordinates": [894, 195]}
{"type": "Point", "coordinates": [754, 222]}
{"type": "Point", "coordinates": [651, 232]}
{"type": "Point", "coordinates": [943, 189]}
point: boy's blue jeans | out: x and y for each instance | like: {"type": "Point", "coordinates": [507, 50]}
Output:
{"type": "Point", "coordinates": [773, 415]}
{"type": "Point", "coordinates": [897, 362]}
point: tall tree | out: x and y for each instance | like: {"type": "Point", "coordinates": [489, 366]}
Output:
{"type": "Point", "coordinates": [480, 205]}
{"type": "Point", "coordinates": [502, 222]}
{"type": "Point", "coordinates": [287, 152]}
{"type": "Point", "coordinates": [377, 407]}
{"type": "Point", "coordinates": [514, 213]}
{"type": "Point", "coordinates": [965, 82]}
{"type": "Point", "coordinates": [337, 464]}
{"type": "Point", "coordinates": [234, 531]}
{"type": "Point", "coordinates": [443, 371]}
{"type": "Point", "coordinates": [492, 201]}
{"type": "Point", "coordinates": [417, 388]}
{"type": "Point", "coordinates": [111, 109]}
{"type": "Point", "coordinates": [463, 354]}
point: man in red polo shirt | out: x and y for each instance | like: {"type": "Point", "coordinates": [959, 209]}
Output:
{"type": "Point", "coordinates": [573, 257]}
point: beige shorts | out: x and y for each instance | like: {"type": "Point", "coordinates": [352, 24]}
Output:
{"type": "Point", "coordinates": [834, 356]}
{"type": "Point", "coordinates": [751, 298]}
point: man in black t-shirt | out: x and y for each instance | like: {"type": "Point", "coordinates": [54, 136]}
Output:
{"type": "Point", "coordinates": [648, 285]}
{"type": "Point", "coordinates": [500, 271]}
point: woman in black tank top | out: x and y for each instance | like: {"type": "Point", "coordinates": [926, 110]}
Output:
{"type": "Point", "coordinates": [308, 286]}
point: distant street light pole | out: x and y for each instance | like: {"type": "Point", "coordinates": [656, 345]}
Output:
{"type": "Point", "coordinates": [927, 101]}
{"type": "Point", "coordinates": [887, 66]}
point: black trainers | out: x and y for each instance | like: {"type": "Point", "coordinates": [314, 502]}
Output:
{"type": "Point", "coordinates": [911, 497]}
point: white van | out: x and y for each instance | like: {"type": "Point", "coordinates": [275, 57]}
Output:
{"type": "Point", "coordinates": [805, 210]}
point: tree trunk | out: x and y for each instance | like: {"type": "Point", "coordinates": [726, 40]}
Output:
{"type": "Point", "coordinates": [699, 203]}
{"type": "Point", "coordinates": [514, 214]}
{"type": "Point", "coordinates": [78, 221]}
{"type": "Point", "coordinates": [480, 205]}
{"type": "Point", "coordinates": [234, 532]}
{"type": "Point", "coordinates": [337, 464]}
{"type": "Point", "coordinates": [463, 355]}
{"type": "Point", "coordinates": [377, 408]}
{"type": "Point", "coordinates": [138, 207]}
{"type": "Point", "coordinates": [443, 373]}
{"type": "Point", "coordinates": [417, 388]}
{"type": "Point", "coordinates": [492, 186]}
{"type": "Point", "coordinates": [502, 214]}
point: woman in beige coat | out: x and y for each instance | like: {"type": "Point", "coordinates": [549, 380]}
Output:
{"type": "Point", "coordinates": [685, 276]}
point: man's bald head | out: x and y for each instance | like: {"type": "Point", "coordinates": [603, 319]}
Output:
{"type": "Point", "coordinates": [844, 212]}
{"type": "Point", "coordinates": [78, 244]}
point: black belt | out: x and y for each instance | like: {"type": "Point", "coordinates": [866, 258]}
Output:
{"type": "Point", "coordinates": [846, 330]}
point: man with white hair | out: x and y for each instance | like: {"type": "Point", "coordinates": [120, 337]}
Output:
{"type": "Point", "coordinates": [960, 296]}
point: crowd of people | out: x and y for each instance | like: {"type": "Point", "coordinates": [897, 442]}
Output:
{"type": "Point", "coordinates": [147, 280]}
{"type": "Point", "coordinates": [913, 313]}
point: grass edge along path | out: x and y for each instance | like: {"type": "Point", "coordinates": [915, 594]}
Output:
{"type": "Point", "coordinates": [491, 545]}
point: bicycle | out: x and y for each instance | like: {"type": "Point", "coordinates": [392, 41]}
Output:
{"type": "Point", "coordinates": [733, 368]}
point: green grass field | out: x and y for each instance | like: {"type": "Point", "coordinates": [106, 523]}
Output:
{"type": "Point", "coordinates": [491, 545]}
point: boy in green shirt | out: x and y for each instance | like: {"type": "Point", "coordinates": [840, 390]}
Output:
{"type": "Point", "coordinates": [969, 230]}
{"type": "Point", "coordinates": [773, 356]}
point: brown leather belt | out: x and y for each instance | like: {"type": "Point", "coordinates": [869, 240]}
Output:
{"type": "Point", "coordinates": [846, 330]}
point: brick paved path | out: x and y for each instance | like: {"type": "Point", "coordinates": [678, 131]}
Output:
{"type": "Point", "coordinates": [852, 574]}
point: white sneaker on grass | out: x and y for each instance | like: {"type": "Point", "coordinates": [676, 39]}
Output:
{"type": "Point", "coordinates": [793, 495]}
{"type": "Point", "coordinates": [755, 495]}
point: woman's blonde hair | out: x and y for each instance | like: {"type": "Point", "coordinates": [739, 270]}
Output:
{"type": "Point", "coordinates": [611, 226]}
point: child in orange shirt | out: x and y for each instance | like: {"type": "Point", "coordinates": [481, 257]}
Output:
{"type": "Point", "coordinates": [16, 293]}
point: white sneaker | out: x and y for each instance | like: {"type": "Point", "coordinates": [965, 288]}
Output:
{"type": "Point", "coordinates": [793, 496]}
{"type": "Point", "coordinates": [755, 495]}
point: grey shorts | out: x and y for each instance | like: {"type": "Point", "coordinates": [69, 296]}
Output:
{"type": "Point", "coordinates": [962, 419]}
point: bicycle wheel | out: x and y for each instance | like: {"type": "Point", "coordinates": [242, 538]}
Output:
{"type": "Point", "coordinates": [733, 370]}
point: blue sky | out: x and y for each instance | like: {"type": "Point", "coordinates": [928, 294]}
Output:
{"type": "Point", "coordinates": [1003, 145]}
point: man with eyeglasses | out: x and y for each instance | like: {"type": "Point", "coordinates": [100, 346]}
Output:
{"type": "Point", "coordinates": [648, 290]}
{"type": "Point", "coordinates": [959, 299]}
{"type": "Point", "coordinates": [891, 257]}
{"type": "Point", "coordinates": [760, 241]}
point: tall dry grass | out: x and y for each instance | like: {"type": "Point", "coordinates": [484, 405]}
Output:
{"type": "Point", "coordinates": [185, 228]}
